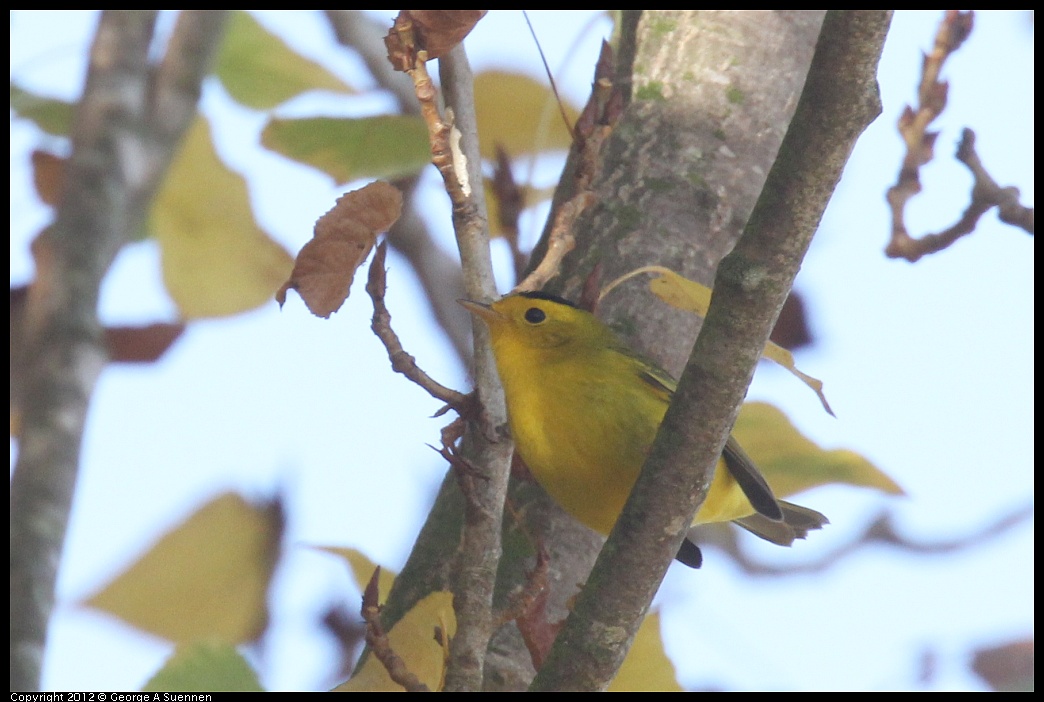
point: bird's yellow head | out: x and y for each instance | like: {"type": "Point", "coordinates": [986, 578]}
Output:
{"type": "Point", "coordinates": [539, 321]}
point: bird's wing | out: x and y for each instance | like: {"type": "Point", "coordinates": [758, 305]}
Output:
{"type": "Point", "coordinates": [750, 480]}
{"type": "Point", "coordinates": [740, 465]}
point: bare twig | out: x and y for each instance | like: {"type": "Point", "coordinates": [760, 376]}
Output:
{"type": "Point", "coordinates": [559, 243]}
{"type": "Point", "coordinates": [126, 126]}
{"type": "Point", "coordinates": [881, 530]}
{"type": "Point", "coordinates": [913, 124]}
{"type": "Point", "coordinates": [920, 143]}
{"type": "Point", "coordinates": [401, 361]}
{"type": "Point", "coordinates": [480, 549]}
{"type": "Point", "coordinates": [593, 128]}
{"type": "Point", "coordinates": [550, 75]}
{"type": "Point", "coordinates": [378, 642]}
{"type": "Point", "coordinates": [985, 195]}
{"type": "Point", "coordinates": [986, 190]}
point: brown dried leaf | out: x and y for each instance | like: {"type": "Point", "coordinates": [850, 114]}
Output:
{"type": "Point", "coordinates": [342, 240]}
{"type": "Point", "coordinates": [438, 31]}
{"type": "Point", "coordinates": [48, 176]}
{"type": "Point", "coordinates": [509, 197]}
{"type": "Point", "coordinates": [531, 616]}
{"type": "Point", "coordinates": [791, 330]}
{"type": "Point", "coordinates": [1008, 667]}
{"type": "Point", "coordinates": [375, 206]}
{"type": "Point", "coordinates": [141, 344]}
{"type": "Point", "coordinates": [399, 42]}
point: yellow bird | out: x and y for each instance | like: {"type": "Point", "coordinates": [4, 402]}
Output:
{"type": "Point", "coordinates": [584, 411]}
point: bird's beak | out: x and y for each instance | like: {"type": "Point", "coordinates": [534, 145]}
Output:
{"type": "Point", "coordinates": [481, 310]}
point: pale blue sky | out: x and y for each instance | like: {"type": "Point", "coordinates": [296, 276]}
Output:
{"type": "Point", "coordinates": [928, 366]}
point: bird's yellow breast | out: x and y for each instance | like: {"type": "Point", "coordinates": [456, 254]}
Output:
{"type": "Point", "coordinates": [586, 441]}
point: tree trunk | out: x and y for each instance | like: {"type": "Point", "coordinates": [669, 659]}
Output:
{"type": "Point", "coordinates": [710, 95]}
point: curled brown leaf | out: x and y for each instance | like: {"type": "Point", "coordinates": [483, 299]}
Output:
{"type": "Point", "coordinates": [438, 31]}
{"type": "Point", "coordinates": [434, 32]}
{"type": "Point", "coordinates": [343, 238]}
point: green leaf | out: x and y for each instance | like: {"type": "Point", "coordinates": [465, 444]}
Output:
{"type": "Point", "coordinates": [385, 147]}
{"type": "Point", "coordinates": [260, 71]}
{"type": "Point", "coordinates": [205, 667]}
{"type": "Point", "coordinates": [49, 114]}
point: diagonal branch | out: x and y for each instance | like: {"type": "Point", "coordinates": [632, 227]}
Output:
{"type": "Point", "coordinates": [838, 101]}
{"type": "Point", "coordinates": [119, 155]}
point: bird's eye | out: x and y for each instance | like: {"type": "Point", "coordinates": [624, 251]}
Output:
{"type": "Point", "coordinates": [535, 315]}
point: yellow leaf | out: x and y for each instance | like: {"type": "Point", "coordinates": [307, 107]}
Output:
{"type": "Point", "coordinates": [647, 667]}
{"type": "Point", "coordinates": [413, 640]}
{"type": "Point", "coordinates": [792, 463]}
{"type": "Point", "coordinates": [520, 114]}
{"type": "Point", "coordinates": [362, 569]}
{"type": "Point", "coordinates": [216, 260]}
{"type": "Point", "coordinates": [207, 579]}
{"type": "Point", "coordinates": [691, 296]}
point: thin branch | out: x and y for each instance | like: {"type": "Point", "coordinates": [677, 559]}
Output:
{"type": "Point", "coordinates": [987, 191]}
{"type": "Point", "coordinates": [455, 153]}
{"type": "Point", "coordinates": [882, 531]}
{"type": "Point", "coordinates": [593, 129]}
{"type": "Point", "coordinates": [838, 101]}
{"type": "Point", "coordinates": [913, 126]}
{"type": "Point", "coordinates": [401, 361]}
{"type": "Point", "coordinates": [480, 548]}
{"type": "Point", "coordinates": [591, 132]}
{"type": "Point", "coordinates": [119, 155]}
{"type": "Point", "coordinates": [985, 195]}
{"type": "Point", "coordinates": [549, 74]}
{"type": "Point", "coordinates": [559, 242]}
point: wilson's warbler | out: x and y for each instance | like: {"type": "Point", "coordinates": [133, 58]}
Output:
{"type": "Point", "coordinates": [584, 411]}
